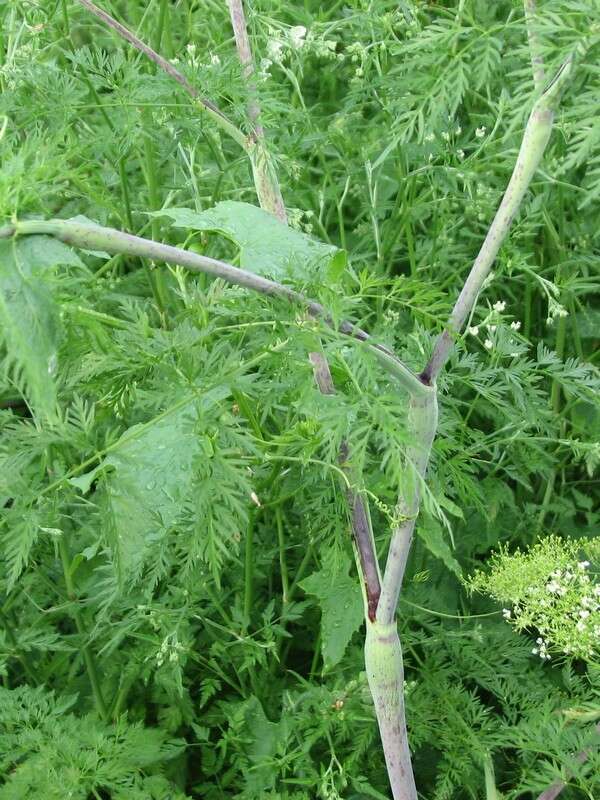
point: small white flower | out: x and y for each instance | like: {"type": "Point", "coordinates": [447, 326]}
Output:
{"type": "Point", "coordinates": [214, 59]}
{"type": "Point", "coordinates": [430, 137]}
{"type": "Point", "coordinates": [516, 325]}
{"type": "Point", "coordinates": [254, 498]}
{"type": "Point", "coordinates": [473, 330]}
{"type": "Point", "coordinates": [445, 136]}
{"type": "Point", "coordinates": [275, 50]}
{"type": "Point", "coordinates": [458, 131]}
{"type": "Point", "coordinates": [553, 587]}
{"type": "Point", "coordinates": [583, 564]}
{"type": "Point", "coordinates": [580, 626]}
{"type": "Point", "coordinates": [506, 613]}
{"type": "Point", "coordinates": [491, 328]}
{"type": "Point", "coordinates": [535, 651]}
{"type": "Point", "coordinates": [499, 306]}
{"type": "Point", "coordinates": [584, 613]}
{"type": "Point", "coordinates": [480, 132]}
{"type": "Point", "coordinates": [297, 35]}
{"type": "Point", "coordinates": [460, 154]}
{"type": "Point", "coordinates": [488, 344]}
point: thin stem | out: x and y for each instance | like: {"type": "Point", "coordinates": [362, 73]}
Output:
{"type": "Point", "coordinates": [160, 26]}
{"type": "Point", "coordinates": [207, 105]}
{"type": "Point", "coordinates": [422, 424]}
{"type": "Point", "coordinates": [95, 237]}
{"type": "Point", "coordinates": [536, 137]}
{"type": "Point", "coordinates": [285, 582]}
{"type": "Point", "coordinates": [88, 657]}
{"type": "Point", "coordinates": [357, 506]}
{"type": "Point", "coordinates": [249, 566]}
{"type": "Point", "coordinates": [537, 59]}
{"type": "Point", "coordinates": [265, 177]}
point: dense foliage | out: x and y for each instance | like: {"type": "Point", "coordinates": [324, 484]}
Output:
{"type": "Point", "coordinates": [178, 598]}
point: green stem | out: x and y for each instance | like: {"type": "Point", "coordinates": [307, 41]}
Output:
{"type": "Point", "coordinates": [385, 674]}
{"type": "Point", "coordinates": [203, 102]}
{"type": "Point", "coordinates": [249, 566]}
{"type": "Point", "coordinates": [160, 26]}
{"type": "Point", "coordinates": [282, 560]}
{"type": "Point", "coordinates": [422, 424]}
{"type": "Point", "coordinates": [536, 137]}
{"type": "Point", "coordinates": [95, 237]}
{"type": "Point", "coordinates": [88, 657]}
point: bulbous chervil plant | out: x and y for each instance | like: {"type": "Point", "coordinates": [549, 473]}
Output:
{"type": "Point", "coordinates": [155, 421]}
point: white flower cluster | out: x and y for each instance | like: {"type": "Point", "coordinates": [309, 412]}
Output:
{"type": "Point", "coordinates": [170, 650]}
{"type": "Point", "coordinates": [551, 591]}
{"type": "Point", "coordinates": [491, 322]}
{"type": "Point", "coordinates": [283, 43]}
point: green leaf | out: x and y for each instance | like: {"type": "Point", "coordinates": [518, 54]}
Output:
{"type": "Point", "coordinates": [29, 320]}
{"type": "Point", "coordinates": [264, 738]}
{"type": "Point", "coordinates": [267, 246]}
{"type": "Point", "coordinates": [341, 605]}
{"type": "Point", "coordinates": [148, 475]}
{"type": "Point", "coordinates": [431, 534]}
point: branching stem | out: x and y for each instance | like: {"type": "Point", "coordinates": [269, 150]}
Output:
{"type": "Point", "coordinates": [536, 137]}
{"type": "Point", "coordinates": [265, 177]}
{"type": "Point", "coordinates": [207, 105]}
{"type": "Point", "coordinates": [95, 237]}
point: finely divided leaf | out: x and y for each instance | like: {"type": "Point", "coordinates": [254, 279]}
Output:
{"type": "Point", "coordinates": [267, 246]}
{"type": "Point", "coordinates": [341, 605]}
{"type": "Point", "coordinates": [431, 534]}
{"type": "Point", "coordinates": [29, 322]}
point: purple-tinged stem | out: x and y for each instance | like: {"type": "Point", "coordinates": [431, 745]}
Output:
{"type": "Point", "coordinates": [207, 105]}
{"type": "Point", "coordinates": [95, 237]}
{"type": "Point", "coordinates": [359, 513]}
{"type": "Point", "coordinates": [552, 792]}
{"type": "Point", "coordinates": [536, 137]}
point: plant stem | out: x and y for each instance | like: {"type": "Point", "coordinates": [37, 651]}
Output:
{"type": "Point", "coordinates": [422, 424]}
{"type": "Point", "coordinates": [88, 657]}
{"type": "Point", "coordinates": [249, 566]}
{"type": "Point", "coordinates": [207, 105]}
{"type": "Point", "coordinates": [95, 237]}
{"type": "Point", "coordinates": [537, 60]}
{"type": "Point", "coordinates": [552, 792]}
{"type": "Point", "coordinates": [385, 674]}
{"type": "Point", "coordinates": [357, 506]}
{"type": "Point", "coordinates": [285, 582]}
{"type": "Point", "coordinates": [265, 177]}
{"type": "Point", "coordinates": [536, 137]}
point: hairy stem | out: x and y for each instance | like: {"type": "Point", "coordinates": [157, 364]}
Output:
{"type": "Point", "coordinates": [95, 237]}
{"type": "Point", "coordinates": [536, 137]}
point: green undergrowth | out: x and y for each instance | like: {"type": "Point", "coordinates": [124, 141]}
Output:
{"type": "Point", "coordinates": [180, 612]}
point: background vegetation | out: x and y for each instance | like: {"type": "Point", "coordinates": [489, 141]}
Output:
{"type": "Point", "coordinates": [175, 544]}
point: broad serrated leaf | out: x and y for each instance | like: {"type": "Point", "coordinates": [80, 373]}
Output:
{"type": "Point", "coordinates": [341, 605]}
{"type": "Point", "coordinates": [267, 246]}
{"type": "Point", "coordinates": [29, 321]}
{"type": "Point", "coordinates": [431, 534]}
{"type": "Point", "coordinates": [147, 476]}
